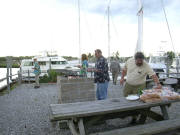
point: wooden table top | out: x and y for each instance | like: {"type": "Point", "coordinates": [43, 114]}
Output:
{"type": "Point", "coordinates": [99, 107]}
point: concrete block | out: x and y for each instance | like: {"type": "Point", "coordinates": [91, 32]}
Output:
{"type": "Point", "coordinates": [75, 90]}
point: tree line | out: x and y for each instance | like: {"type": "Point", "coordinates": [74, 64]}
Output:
{"type": "Point", "coordinates": [16, 61]}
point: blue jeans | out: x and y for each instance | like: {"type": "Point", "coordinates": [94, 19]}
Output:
{"type": "Point", "coordinates": [101, 92]}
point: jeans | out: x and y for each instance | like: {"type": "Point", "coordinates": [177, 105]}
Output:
{"type": "Point", "coordinates": [101, 92]}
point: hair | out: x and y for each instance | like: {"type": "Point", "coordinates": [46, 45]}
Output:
{"type": "Point", "coordinates": [139, 55]}
{"type": "Point", "coordinates": [98, 51]}
{"type": "Point", "coordinates": [84, 57]}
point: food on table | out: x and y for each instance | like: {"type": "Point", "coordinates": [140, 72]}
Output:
{"type": "Point", "coordinates": [157, 95]}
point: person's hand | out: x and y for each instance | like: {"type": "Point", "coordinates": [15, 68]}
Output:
{"type": "Point", "coordinates": [159, 86]}
{"type": "Point", "coordinates": [96, 70]}
{"type": "Point", "coordinates": [122, 81]}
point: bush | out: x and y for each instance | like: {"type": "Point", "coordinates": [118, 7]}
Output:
{"type": "Point", "coordinates": [44, 79]}
{"type": "Point", "coordinates": [51, 77]}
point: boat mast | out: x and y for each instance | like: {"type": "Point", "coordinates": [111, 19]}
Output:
{"type": "Point", "coordinates": [139, 46]}
{"type": "Point", "coordinates": [79, 32]}
{"type": "Point", "coordinates": [108, 36]}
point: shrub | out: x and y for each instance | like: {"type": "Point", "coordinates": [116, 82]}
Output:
{"type": "Point", "coordinates": [44, 79]}
{"type": "Point", "coordinates": [51, 77]}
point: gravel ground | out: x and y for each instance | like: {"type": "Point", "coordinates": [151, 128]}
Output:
{"type": "Point", "coordinates": [25, 111]}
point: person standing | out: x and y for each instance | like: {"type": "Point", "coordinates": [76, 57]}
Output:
{"type": "Point", "coordinates": [37, 72]}
{"type": "Point", "coordinates": [84, 66]}
{"type": "Point", "coordinates": [115, 70]}
{"type": "Point", "coordinates": [136, 69]}
{"type": "Point", "coordinates": [101, 75]}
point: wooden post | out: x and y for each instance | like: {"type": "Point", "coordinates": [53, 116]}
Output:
{"type": "Point", "coordinates": [50, 64]}
{"type": "Point", "coordinates": [10, 65]}
{"type": "Point", "coordinates": [19, 77]}
{"type": "Point", "coordinates": [72, 127]}
{"type": "Point", "coordinates": [164, 112]}
{"type": "Point", "coordinates": [7, 74]}
{"type": "Point", "coordinates": [28, 76]}
{"type": "Point", "coordinates": [81, 127]}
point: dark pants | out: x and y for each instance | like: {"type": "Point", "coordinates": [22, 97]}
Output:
{"type": "Point", "coordinates": [133, 89]}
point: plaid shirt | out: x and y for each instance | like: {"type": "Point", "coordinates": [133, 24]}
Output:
{"type": "Point", "coordinates": [102, 66]}
{"type": "Point", "coordinates": [37, 70]}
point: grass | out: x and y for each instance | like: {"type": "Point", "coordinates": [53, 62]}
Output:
{"type": "Point", "coordinates": [6, 91]}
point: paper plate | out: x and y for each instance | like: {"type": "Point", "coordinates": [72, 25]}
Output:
{"type": "Point", "coordinates": [132, 97]}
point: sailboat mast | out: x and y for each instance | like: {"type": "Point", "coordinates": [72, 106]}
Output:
{"type": "Point", "coordinates": [108, 37]}
{"type": "Point", "coordinates": [139, 46]}
{"type": "Point", "coordinates": [79, 31]}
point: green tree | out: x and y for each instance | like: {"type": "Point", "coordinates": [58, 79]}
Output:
{"type": "Point", "coordinates": [170, 55]}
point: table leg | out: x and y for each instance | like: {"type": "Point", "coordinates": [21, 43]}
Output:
{"type": "Point", "coordinates": [148, 113]}
{"type": "Point", "coordinates": [164, 112]}
{"type": "Point", "coordinates": [142, 119]}
{"type": "Point", "coordinates": [72, 127]}
{"type": "Point", "coordinates": [81, 127]}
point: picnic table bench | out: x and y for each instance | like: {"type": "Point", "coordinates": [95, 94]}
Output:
{"type": "Point", "coordinates": [81, 115]}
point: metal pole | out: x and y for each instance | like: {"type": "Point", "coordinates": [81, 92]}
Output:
{"type": "Point", "coordinates": [50, 64]}
{"type": "Point", "coordinates": [79, 31]}
{"type": "Point", "coordinates": [139, 46]}
{"type": "Point", "coordinates": [167, 67]}
{"type": "Point", "coordinates": [108, 37]}
{"type": "Point", "coordinates": [28, 76]}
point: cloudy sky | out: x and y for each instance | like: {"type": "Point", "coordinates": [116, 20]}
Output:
{"type": "Point", "coordinates": [29, 27]}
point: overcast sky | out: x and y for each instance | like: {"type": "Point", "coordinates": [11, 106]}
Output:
{"type": "Point", "coordinates": [29, 27]}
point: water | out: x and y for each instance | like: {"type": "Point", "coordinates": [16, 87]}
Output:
{"type": "Point", "coordinates": [3, 72]}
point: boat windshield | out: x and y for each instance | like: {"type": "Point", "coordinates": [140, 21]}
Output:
{"type": "Point", "coordinates": [156, 59]}
{"type": "Point", "coordinates": [28, 63]}
{"type": "Point", "coordinates": [59, 62]}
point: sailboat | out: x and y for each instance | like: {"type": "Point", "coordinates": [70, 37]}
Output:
{"type": "Point", "coordinates": [158, 63]}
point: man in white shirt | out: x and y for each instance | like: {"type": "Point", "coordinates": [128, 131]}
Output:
{"type": "Point", "coordinates": [136, 69]}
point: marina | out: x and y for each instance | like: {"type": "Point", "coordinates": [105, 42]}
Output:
{"type": "Point", "coordinates": [107, 67]}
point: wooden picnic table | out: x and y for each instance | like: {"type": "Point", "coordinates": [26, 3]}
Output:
{"type": "Point", "coordinates": [83, 114]}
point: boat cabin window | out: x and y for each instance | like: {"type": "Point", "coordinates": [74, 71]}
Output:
{"type": "Point", "coordinates": [58, 62]}
{"type": "Point", "coordinates": [42, 63]}
{"type": "Point", "coordinates": [28, 63]}
{"type": "Point", "coordinates": [158, 60]}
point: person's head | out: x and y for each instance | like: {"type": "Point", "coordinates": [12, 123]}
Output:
{"type": "Point", "coordinates": [139, 58]}
{"type": "Point", "coordinates": [98, 53]}
{"type": "Point", "coordinates": [84, 57]}
{"type": "Point", "coordinates": [35, 59]}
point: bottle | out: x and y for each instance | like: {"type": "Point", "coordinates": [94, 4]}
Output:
{"type": "Point", "coordinates": [140, 92]}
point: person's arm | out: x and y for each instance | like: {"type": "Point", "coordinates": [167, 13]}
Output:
{"type": "Point", "coordinates": [156, 80]}
{"type": "Point", "coordinates": [153, 75]}
{"type": "Point", "coordinates": [124, 72]}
